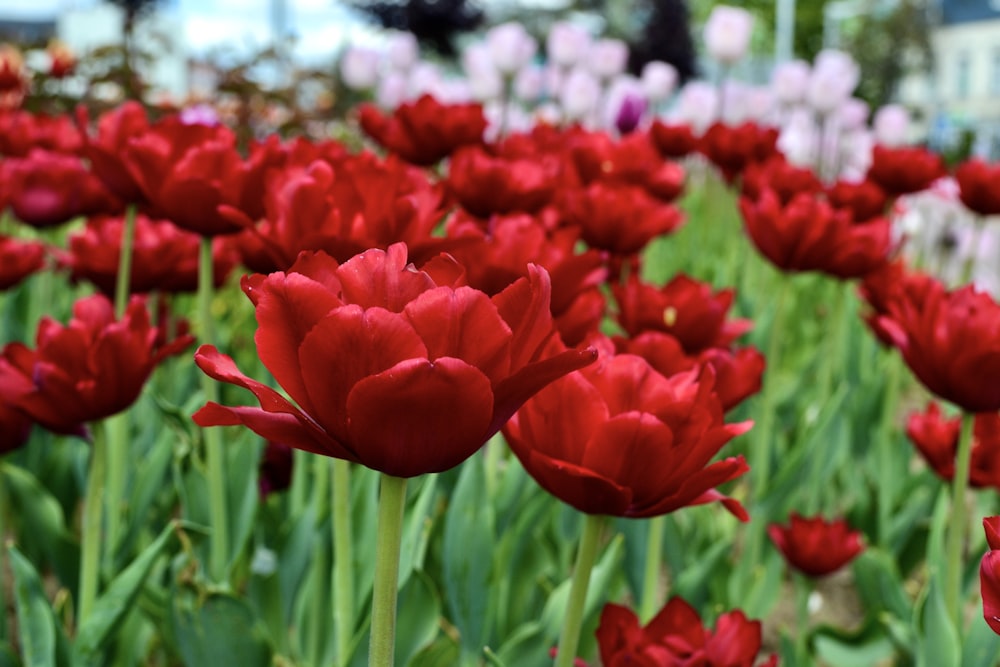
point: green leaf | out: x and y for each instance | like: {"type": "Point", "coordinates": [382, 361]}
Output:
{"type": "Point", "coordinates": [938, 644]}
{"type": "Point", "coordinates": [416, 532]}
{"type": "Point", "coordinates": [111, 607]}
{"type": "Point", "coordinates": [7, 656]}
{"type": "Point", "coordinates": [43, 643]}
{"type": "Point", "coordinates": [221, 630]}
{"type": "Point", "coordinates": [419, 614]}
{"type": "Point", "coordinates": [880, 585]}
{"type": "Point", "coordinates": [981, 647]}
{"type": "Point", "coordinates": [469, 542]}
{"type": "Point", "coordinates": [607, 567]}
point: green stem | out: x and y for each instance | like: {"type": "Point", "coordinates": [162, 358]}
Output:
{"type": "Point", "coordinates": [969, 263]}
{"type": "Point", "coordinates": [585, 558]}
{"type": "Point", "coordinates": [957, 528]}
{"type": "Point", "coordinates": [318, 600]}
{"type": "Point", "coordinates": [886, 444]}
{"type": "Point", "coordinates": [90, 550]}
{"type": "Point", "coordinates": [654, 566]}
{"type": "Point", "coordinates": [125, 262]}
{"type": "Point", "coordinates": [4, 564]}
{"type": "Point", "coordinates": [803, 589]}
{"type": "Point", "coordinates": [391, 503]}
{"type": "Point", "coordinates": [343, 554]}
{"type": "Point", "coordinates": [214, 452]}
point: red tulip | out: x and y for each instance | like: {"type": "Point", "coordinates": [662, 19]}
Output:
{"type": "Point", "coordinates": [732, 148]}
{"type": "Point", "coordinates": [484, 184]}
{"type": "Point", "coordinates": [360, 203]}
{"type": "Point", "coordinates": [106, 150]}
{"type": "Point", "coordinates": [187, 172]}
{"type": "Point", "coordinates": [864, 199]}
{"type": "Point", "coordinates": [620, 219]}
{"type": "Point", "coordinates": [900, 171]}
{"type": "Point", "coordinates": [497, 257]}
{"type": "Point", "coordinates": [165, 257]}
{"type": "Point", "coordinates": [673, 141]}
{"type": "Point", "coordinates": [90, 369]}
{"type": "Point", "coordinates": [936, 439]}
{"type": "Point", "coordinates": [18, 260]}
{"type": "Point", "coordinates": [951, 342]}
{"type": "Point", "coordinates": [425, 131]}
{"type": "Point", "coordinates": [676, 637]}
{"type": "Point", "coordinates": [21, 131]}
{"type": "Point", "coordinates": [277, 463]}
{"type": "Point", "coordinates": [632, 160]}
{"type": "Point", "coordinates": [685, 308]}
{"type": "Point", "coordinates": [808, 234]}
{"type": "Point", "coordinates": [989, 574]}
{"type": "Point", "coordinates": [784, 179]}
{"type": "Point", "coordinates": [391, 367]}
{"type": "Point", "coordinates": [48, 189]}
{"type": "Point", "coordinates": [816, 547]}
{"type": "Point", "coordinates": [620, 439]}
{"type": "Point", "coordinates": [15, 427]}
{"type": "Point", "coordinates": [979, 186]}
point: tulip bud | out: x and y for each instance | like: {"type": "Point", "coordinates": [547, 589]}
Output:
{"type": "Point", "coordinates": [580, 93]}
{"type": "Point", "coordinates": [727, 33]}
{"type": "Point", "coordinates": [853, 114]}
{"type": "Point", "coordinates": [529, 83]}
{"type": "Point", "coordinates": [510, 47]}
{"type": "Point", "coordinates": [402, 51]}
{"type": "Point", "coordinates": [62, 61]}
{"type": "Point", "coordinates": [608, 57]}
{"type": "Point", "coordinates": [697, 105]}
{"type": "Point", "coordinates": [658, 80]}
{"type": "Point", "coordinates": [359, 68]}
{"type": "Point", "coordinates": [789, 81]}
{"type": "Point", "coordinates": [891, 125]}
{"type": "Point", "coordinates": [625, 104]}
{"type": "Point", "coordinates": [567, 44]}
{"type": "Point", "coordinates": [799, 137]}
{"type": "Point", "coordinates": [834, 77]}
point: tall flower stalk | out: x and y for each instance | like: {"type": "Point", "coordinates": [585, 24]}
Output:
{"type": "Point", "coordinates": [391, 503]}
{"type": "Point", "coordinates": [586, 557]}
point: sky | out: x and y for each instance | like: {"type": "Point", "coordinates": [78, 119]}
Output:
{"type": "Point", "coordinates": [322, 26]}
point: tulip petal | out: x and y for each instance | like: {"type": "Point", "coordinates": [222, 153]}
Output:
{"type": "Point", "coordinates": [420, 416]}
{"type": "Point", "coordinates": [287, 428]}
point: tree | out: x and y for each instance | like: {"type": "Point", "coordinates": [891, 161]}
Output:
{"type": "Point", "coordinates": [435, 23]}
{"type": "Point", "coordinates": [665, 35]}
{"type": "Point", "coordinates": [131, 11]}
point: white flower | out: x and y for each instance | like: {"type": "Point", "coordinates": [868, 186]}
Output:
{"type": "Point", "coordinates": [359, 67]}
{"type": "Point", "coordinates": [658, 80]}
{"type": "Point", "coordinates": [727, 33]}
{"type": "Point", "coordinates": [510, 47]}
{"type": "Point", "coordinates": [891, 125]}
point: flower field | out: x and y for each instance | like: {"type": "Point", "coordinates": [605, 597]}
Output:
{"type": "Point", "coordinates": [456, 388]}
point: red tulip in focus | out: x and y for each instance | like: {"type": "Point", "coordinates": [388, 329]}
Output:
{"type": "Point", "coordinates": [18, 260]}
{"type": "Point", "coordinates": [620, 439]}
{"type": "Point", "coordinates": [165, 257]}
{"type": "Point", "coordinates": [425, 131]}
{"type": "Point", "coordinates": [989, 574]}
{"type": "Point", "coordinates": [808, 234]}
{"type": "Point", "coordinates": [187, 171]}
{"type": "Point", "coordinates": [951, 342]}
{"type": "Point", "coordinates": [485, 185]}
{"type": "Point", "coordinates": [879, 288]}
{"type": "Point", "coordinates": [979, 186]}
{"type": "Point", "coordinates": [673, 141]}
{"type": "Point", "coordinates": [936, 438]}
{"type": "Point", "coordinates": [676, 637]}
{"type": "Point", "coordinates": [684, 308]}
{"type": "Point", "coordinates": [816, 547]}
{"type": "Point", "coordinates": [106, 150]}
{"type": "Point", "coordinates": [620, 219]}
{"type": "Point", "coordinates": [732, 148]}
{"type": "Point", "coordinates": [900, 171]}
{"type": "Point", "coordinates": [48, 189]}
{"type": "Point", "coordinates": [90, 369]}
{"type": "Point", "coordinates": [392, 367]}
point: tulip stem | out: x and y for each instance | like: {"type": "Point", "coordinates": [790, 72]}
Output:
{"type": "Point", "coordinates": [654, 564]}
{"type": "Point", "coordinates": [585, 558]}
{"type": "Point", "coordinates": [391, 503]}
{"type": "Point", "coordinates": [886, 444]}
{"type": "Point", "coordinates": [343, 572]}
{"type": "Point", "coordinates": [214, 453]}
{"type": "Point", "coordinates": [118, 424]}
{"type": "Point", "coordinates": [957, 528]}
{"type": "Point", "coordinates": [90, 550]}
